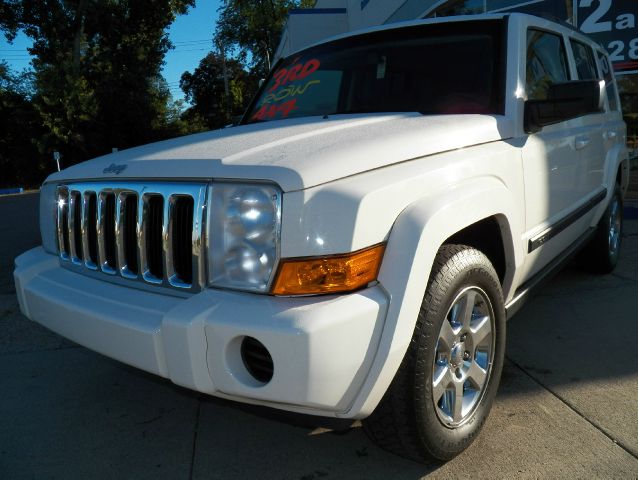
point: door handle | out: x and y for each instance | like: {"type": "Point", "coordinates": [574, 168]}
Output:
{"type": "Point", "coordinates": [610, 135]}
{"type": "Point", "coordinates": [581, 142]}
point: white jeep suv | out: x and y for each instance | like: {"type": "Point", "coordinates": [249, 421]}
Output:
{"type": "Point", "coordinates": [353, 248]}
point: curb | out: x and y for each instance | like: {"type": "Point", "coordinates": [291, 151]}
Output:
{"type": "Point", "coordinates": [7, 191]}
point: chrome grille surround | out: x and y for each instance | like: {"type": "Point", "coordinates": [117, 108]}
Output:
{"type": "Point", "coordinates": [167, 238]}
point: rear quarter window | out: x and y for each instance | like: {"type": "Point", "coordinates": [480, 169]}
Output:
{"type": "Point", "coordinates": [585, 61]}
{"type": "Point", "coordinates": [610, 82]}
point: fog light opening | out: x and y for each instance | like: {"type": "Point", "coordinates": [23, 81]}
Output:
{"type": "Point", "coordinates": [257, 359]}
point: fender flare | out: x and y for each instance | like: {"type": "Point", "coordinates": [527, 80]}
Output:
{"type": "Point", "coordinates": [414, 241]}
{"type": "Point", "coordinates": [617, 158]}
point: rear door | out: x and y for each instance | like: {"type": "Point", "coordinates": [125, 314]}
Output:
{"type": "Point", "coordinates": [614, 130]}
{"type": "Point", "coordinates": [590, 134]}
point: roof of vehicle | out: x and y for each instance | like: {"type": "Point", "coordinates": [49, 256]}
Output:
{"type": "Point", "coordinates": [565, 27]}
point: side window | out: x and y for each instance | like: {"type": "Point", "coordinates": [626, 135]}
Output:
{"type": "Point", "coordinates": [585, 63]}
{"type": "Point", "coordinates": [610, 82]}
{"type": "Point", "coordinates": [546, 63]}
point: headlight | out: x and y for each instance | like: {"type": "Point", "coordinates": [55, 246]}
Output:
{"type": "Point", "coordinates": [48, 216]}
{"type": "Point", "coordinates": [244, 235]}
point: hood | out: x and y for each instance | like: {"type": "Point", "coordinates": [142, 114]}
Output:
{"type": "Point", "coordinates": [295, 153]}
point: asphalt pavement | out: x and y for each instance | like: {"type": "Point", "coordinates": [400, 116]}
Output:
{"type": "Point", "coordinates": [566, 407]}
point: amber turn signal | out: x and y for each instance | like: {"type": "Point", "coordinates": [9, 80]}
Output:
{"type": "Point", "coordinates": [331, 274]}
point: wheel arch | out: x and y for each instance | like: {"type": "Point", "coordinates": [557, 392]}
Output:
{"type": "Point", "coordinates": [420, 230]}
{"type": "Point", "coordinates": [622, 175]}
{"type": "Point", "coordinates": [486, 235]}
{"type": "Point", "coordinates": [617, 171]}
{"type": "Point", "coordinates": [617, 168]}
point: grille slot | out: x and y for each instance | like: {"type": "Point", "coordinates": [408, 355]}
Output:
{"type": "Point", "coordinates": [130, 233]}
{"type": "Point", "coordinates": [91, 229]}
{"type": "Point", "coordinates": [182, 235]}
{"type": "Point", "coordinates": [75, 226]}
{"type": "Point", "coordinates": [109, 232]}
{"type": "Point", "coordinates": [154, 242]}
{"type": "Point", "coordinates": [63, 223]}
{"type": "Point", "coordinates": [151, 234]}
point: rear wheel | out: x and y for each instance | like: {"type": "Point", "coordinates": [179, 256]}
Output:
{"type": "Point", "coordinates": [445, 387]}
{"type": "Point", "coordinates": [601, 255]}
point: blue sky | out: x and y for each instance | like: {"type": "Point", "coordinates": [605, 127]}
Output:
{"type": "Point", "coordinates": [191, 34]}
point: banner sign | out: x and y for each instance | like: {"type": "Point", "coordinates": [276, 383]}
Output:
{"type": "Point", "coordinates": [612, 23]}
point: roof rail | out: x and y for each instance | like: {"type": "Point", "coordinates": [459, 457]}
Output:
{"type": "Point", "coordinates": [551, 17]}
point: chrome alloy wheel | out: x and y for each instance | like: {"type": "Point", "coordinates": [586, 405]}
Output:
{"type": "Point", "coordinates": [615, 226]}
{"type": "Point", "coordinates": [463, 358]}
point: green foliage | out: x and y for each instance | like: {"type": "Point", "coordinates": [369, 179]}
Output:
{"type": "Point", "coordinates": [253, 28]}
{"type": "Point", "coordinates": [206, 89]}
{"type": "Point", "coordinates": [21, 163]}
{"type": "Point", "coordinates": [97, 72]}
{"type": "Point", "coordinates": [627, 87]}
{"type": "Point", "coordinates": [250, 30]}
{"type": "Point", "coordinates": [96, 81]}
{"type": "Point", "coordinates": [9, 17]}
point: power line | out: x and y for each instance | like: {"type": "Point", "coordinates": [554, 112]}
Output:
{"type": "Point", "coordinates": [193, 41]}
{"type": "Point", "coordinates": [193, 50]}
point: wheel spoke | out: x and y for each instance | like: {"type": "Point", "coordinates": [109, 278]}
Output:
{"type": "Point", "coordinates": [457, 413]}
{"type": "Point", "coordinates": [477, 375]}
{"type": "Point", "coordinates": [440, 385]}
{"type": "Point", "coordinates": [447, 335]}
{"type": "Point", "coordinates": [615, 227]}
{"type": "Point", "coordinates": [468, 308]}
{"type": "Point", "coordinates": [482, 331]}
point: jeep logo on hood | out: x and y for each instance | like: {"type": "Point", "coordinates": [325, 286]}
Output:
{"type": "Point", "coordinates": [116, 169]}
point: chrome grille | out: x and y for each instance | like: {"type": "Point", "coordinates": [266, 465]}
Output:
{"type": "Point", "coordinates": [148, 233]}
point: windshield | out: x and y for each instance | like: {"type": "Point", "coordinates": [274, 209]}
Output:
{"type": "Point", "coordinates": [448, 68]}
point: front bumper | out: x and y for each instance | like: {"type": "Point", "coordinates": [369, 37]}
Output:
{"type": "Point", "coordinates": [322, 347]}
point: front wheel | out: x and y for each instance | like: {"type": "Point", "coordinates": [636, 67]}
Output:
{"type": "Point", "coordinates": [445, 387]}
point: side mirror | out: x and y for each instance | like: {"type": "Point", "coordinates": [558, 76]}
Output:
{"type": "Point", "coordinates": [564, 101]}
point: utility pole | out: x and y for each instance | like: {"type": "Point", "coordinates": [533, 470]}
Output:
{"type": "Point", "coordinates": [222, 52]}
{"type": "Point", "coordinates": [266, 28]}
{"type": "Point", "coordinates": [268, 57]}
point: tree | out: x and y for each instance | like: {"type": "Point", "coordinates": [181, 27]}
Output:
{"type": "Point", "coordinates": [97, 72]}
{"type": "Point", "coordinates": [254, 28]}
{"type": "Point", "coordinates": [218, 89]}
{"type": "Point", "coordinates": [21, 163]}
{"type": "Point", "coordinates": [9, 17]}
{"type": "Point", "coordinates": [628, 89]}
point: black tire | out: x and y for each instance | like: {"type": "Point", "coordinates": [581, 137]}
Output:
{"type": "Point", "coordinates": [407, 421]}
{"type": "Point", "coordinates": [601, 255]}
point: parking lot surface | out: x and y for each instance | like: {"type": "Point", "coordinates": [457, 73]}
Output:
{"type": "Point", "coordinates": [566, 407]}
